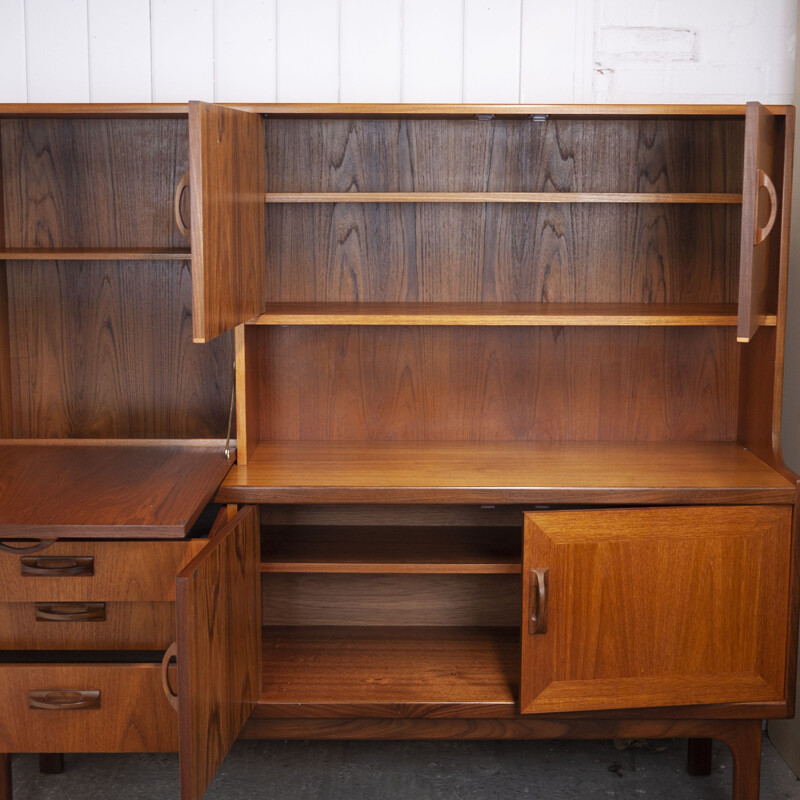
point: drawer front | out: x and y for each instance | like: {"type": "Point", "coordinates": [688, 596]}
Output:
{"type": "Point", "coordinates": [96, 571]}
{"type": "Point", "coordinates": [653, 607]}
{"type": "Point", "coordinates": [80, 708]}
{"type": "Point", "coordinates": [86, 626]}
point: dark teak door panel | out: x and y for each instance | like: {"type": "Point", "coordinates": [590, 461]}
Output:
{"type": "Point", "coordinates": [226, 166]}
{"type": "Point", "coordinates": [643, 608]}
{"type": "Point", "coordinates": [219, 648]}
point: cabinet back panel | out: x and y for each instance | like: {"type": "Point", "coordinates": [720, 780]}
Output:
{"type": "Point", "coordinates": [601, 253]}
{"type": "Point", "coordinates": [92, 182]}
{"type": "Point", "coordinates": [458, 155]}
{"type": "Point", "coordinates": [104, 349]}
{"type": "Point", "coordinates": [494, 384]}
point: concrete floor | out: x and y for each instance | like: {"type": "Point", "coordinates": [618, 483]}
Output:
{"type": "Point", "coordinates": [400, 770]}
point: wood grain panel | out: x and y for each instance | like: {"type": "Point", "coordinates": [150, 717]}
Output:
{"type": "Point", "coordinates": [469, 155]}
{"type": "Point", "coordinates": [122, 571]}
{"type": "Point", "coordinates": [759, 154]}
{"type": "Point", "coordinates": [378, 252]}
{"type": "Point", "coordinates": [104, 350]}
{"type": "Point", "coordinates": [505, 472]}
{"type": "Point", "coordinates": [495, 384]}
{"type": "Point", "coordinates": [106, 489]}
{"type": "Point", "coordinates": [219, 649]}
{"type": "Point", "coordinates": [92, 182]}
{"type": "Point", "coordinates": [398, 670]}
{"type": "Point", "coordinates": [226, 175]}
{"type": "Point", "coordinates": [6, 403]}
{"type": "Point", "coordinates": [657, 607]}
{"type": "Point", "coordinates": [134, 715]}
{"type": "Point", "coordinates": [127, 626]}
{"type": "Point", "coordinates": [378, 600]}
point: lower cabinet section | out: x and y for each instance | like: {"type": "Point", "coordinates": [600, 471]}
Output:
{"type": "Point", "coordinates": [85, 708]}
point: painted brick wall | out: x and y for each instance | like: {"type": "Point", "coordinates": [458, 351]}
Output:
{"type": "Point", "coordinates": [397, 50]}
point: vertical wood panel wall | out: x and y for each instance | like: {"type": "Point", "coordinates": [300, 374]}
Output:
{"type": "Point", "coordinates": [396, 50]}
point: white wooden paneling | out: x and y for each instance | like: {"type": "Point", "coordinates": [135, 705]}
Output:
{"type": "Point", "coordinates": [119, 51]}
{"type": "Point", "coordinates": [548, 51]}
{"type": "Point", "coordinates": [182, 43]}
{"type": "Point", "coordinates": [370, 55]}
{"type": "Point", "coordinates": [433, 51]}
{"type": "Point", "coordinates": [57, 42]}
{"type": "Point", "coordinates": [13, 74]}
{"type": "Point", "coordinates": [308, 51]}
{"type": "Point", "coordinates": [492, 30]}
{"type": "Point", "coordinates": [244, 50]}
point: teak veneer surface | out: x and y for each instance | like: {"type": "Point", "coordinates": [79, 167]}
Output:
{"type": "Point", "coordinates": [502, 314]}
{"type": "Point", "coordinates": [501, 197]}
{"type": "Point", "coordinates": [106, 490]}
{"type": "Point", "coordinates": [96, 254]}
{"type": "Point", "coordinates": [698, 472]}
{"type": "Point", "coordinates": [388, 671]}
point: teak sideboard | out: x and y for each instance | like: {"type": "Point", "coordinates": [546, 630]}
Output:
{"type": "Point", "coordinates": [382, 421]}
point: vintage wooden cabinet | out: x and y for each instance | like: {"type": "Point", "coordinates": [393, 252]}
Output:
{"type": "Point", "coordinates": [507, 426]}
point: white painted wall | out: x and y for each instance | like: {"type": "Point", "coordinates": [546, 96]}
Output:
{"type": "Point", "coordinates": [528, 51]}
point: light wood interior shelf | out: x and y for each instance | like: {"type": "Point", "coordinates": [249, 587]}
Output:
{"type": "Point", "coordinates": [392, 549]}
{"type": "Point", "coordinates": [387, 667]}
{"type": "Point", "coordinates": [96, 254]}
{"type": "Point", "coordinates": [539, 472]}
{"type": "Point", "coordinates": [500, 314]}
{"type": "Point", "coordinates": [504, 197]}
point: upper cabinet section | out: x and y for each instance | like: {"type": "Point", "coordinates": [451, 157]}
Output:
{"type": "Point", "coordinates": [227, 227]}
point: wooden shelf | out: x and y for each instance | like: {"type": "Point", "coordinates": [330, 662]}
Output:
{"type": "Point", "coordinates": [96, 254]}
{"type": "Point", "coordinates": [504, 472]}
{"type": "Point", "coordinates": [502, 314]}
{"type": "Point", "coordinates": [326, 671]}
{"type": "Point", "coordinates": [504, 197]}
{"type": "Point", "coordinates": [391, 549]}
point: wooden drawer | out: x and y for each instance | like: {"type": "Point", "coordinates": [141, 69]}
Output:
{"type": "Point", "coordinates": [99, 571]}
{"type": "Point", "coordinates": [128, 714]}
{"type": "Point", "coordinates": [87, 626]}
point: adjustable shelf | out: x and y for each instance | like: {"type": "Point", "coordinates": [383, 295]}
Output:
{"type": "Point", "coordinates": [502, 314]}
{"type": "Point", "coordinates": [96, 254]}
{"type": "Point", "coordinates": [504, 197]}
{"type": "Point", "coordinates": [391, 549]}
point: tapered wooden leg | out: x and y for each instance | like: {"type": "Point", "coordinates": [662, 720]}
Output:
{"type": "Point", "coordinates": [744, 741]}
{"type": "Point", "coordinates": [698, 760]}
{"type": "Point", "coordinates": [51, 763]}
{"type": "Point", "coordinates": [5, 776]}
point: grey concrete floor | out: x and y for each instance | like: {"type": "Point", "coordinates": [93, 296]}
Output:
{"type": "Point", "coordinates": [399, 770]}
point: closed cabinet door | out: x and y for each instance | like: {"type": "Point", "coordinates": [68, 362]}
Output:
{"type": "Point", "coordinates": [218, 611]}
{"type": "Point", "coordinates": [636, 608]}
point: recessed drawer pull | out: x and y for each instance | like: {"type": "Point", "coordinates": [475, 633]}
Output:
{"type": "Point", "coordinates": [170, 655]}
{"type": "Point", "coordinates": [34, 547]}
{"type": "Point", "coordinates": [537, 622]}
{"type": "Point", "coordinates": [70, 612]}
{"type": "Point", "coordinates": [57, 565]}
{"type": "Point", "coordinates": [63, 699]}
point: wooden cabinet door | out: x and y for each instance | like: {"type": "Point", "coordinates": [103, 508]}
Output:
{"type": "Point", "coordinates": [636, 608]}
{"type": "Point", "coordinates": [219, 648]}
{"type": "Point", "coordinates": [226, 177]}
{"type": "Point", "coordinates": [760, 209]}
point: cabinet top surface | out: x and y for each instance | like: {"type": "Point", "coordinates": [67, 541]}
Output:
{"type": "Point", "coordinates": [102, 488]}
{"type": "Point", "coordinates": [380, 109]}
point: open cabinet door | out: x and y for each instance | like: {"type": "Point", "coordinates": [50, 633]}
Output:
{"type": "Point", "coordinates": [654, 607]}
{"type": "Point", "coordinates": [218, 608]}
{"type": "Point", "coordinates": [759, 215]}
{"type": "Point", "coordinates": [226, 176]}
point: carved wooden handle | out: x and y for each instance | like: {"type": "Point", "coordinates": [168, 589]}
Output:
{"type": "Point", "coordinates": [169, 692]}
{"type": "Point", "coordinates": [54, 566]}
{"type": "Point", "coordinates": [180, 220]}
{"type": "Point", "coordinates": [764, 180]}
{"type": "Point", "coordinates": [537, 623]}
{"type": "Point", "coordinates": [34, 547]}
{"type": "Point", "coordinates": [63, 699]}
{"type": "Point", "coordinates": [70, 612]}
